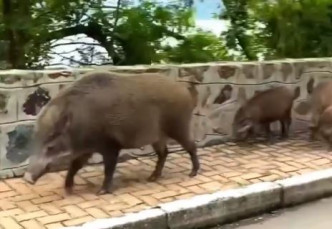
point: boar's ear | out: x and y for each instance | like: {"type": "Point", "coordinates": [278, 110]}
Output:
{"type": "Point", "coordinates": [244, 128]}
{"type": "Point", "coordinates": [63, 123]}
{"type": "Point", "coordinates": [327, 131]}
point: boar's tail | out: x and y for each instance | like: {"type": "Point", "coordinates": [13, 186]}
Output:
{"type": "Point", "coordinates": [191, 86]}
{"type": "Point", "coordinates": [296, 93]}
{"type": "Point", "coordinates": [193, 92]}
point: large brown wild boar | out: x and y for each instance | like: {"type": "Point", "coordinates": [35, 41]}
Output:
{"type": "Point", "coordinates": [263, 108]}
{"type": "Point", "coordinates": [321, 112]}
{"type": "Point", "coordinates": [105, 112]}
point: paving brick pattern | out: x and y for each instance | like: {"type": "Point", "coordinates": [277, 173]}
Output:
{"type": "Point", "coordinates": [226, 166]}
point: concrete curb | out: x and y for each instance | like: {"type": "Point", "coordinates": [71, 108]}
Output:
{"type": "Point", "coordinates": [299, 189]}
{"type": "Point", "coordinates": [224, 206]}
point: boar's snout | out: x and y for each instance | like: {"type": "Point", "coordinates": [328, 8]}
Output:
{"type": "Point", "coordinates": [241, 132]}
{"type": "Point", "coordinates": [29, 178]}
{"type": "Point", "coordinates": [36, 169]}
{"type": "Point", "coordinates": [241, 136]}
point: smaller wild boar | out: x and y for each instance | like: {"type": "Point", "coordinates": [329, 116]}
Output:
{"type": "Point", "coordinates": [105, 112]}
{"type": "Point", "coordinates": [323, 130]}
{"type": "Point", "coordinates": [274, 104]}
{"type": "Point", "coordinates": [321, 112]}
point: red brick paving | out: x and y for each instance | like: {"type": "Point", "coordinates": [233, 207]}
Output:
{"type": "Point", "coordinates": [224, 166]}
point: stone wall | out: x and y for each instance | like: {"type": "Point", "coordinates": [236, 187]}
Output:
{"type": "Point", "coordinates": [221, 86]}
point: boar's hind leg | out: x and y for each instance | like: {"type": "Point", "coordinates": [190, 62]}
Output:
{"type": "Point", "coordinates": [313, 131]}
{"type": "Point", "coordinates": [110, 158]}
{"type": "Point", "coordinates": [182, 137]}
{"type": "Point", "coordinates": [191, 148]}
{"type": "Point", "coordinates": [268, 132]}
{"type": "Point", "coordinates": [75, 165]}
{"type": "Point", "coordinates": [161, 149]}
{"type": "Point", "coordinates": [285, 124]}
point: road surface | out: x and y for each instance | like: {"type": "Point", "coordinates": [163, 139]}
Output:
{"type": "Point", "coordinates": [315, 215]}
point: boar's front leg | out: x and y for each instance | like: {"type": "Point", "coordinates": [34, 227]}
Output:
{"type": "Point", "coordinates": [75, 165]}
{"type": "Point", "coordinates": [313, 132]}
{"type": "Point", "coordinates": [252, 133]}
{"type": "Point", "coordinates": [313, 126]}
{"type": "Point", "coordinates": [268, 132]}
{"type": "Point", "coordinates": [285, 124]}
{"type": "Point", "coordinates": [283, 133]}
{"type": "Point", "coordinates": [110, 158]}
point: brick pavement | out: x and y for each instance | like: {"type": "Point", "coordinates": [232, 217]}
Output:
{"type": "Point", "coordinates": [223, 167]}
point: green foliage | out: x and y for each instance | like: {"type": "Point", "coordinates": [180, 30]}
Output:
{"type": "Point", "coordinates": [297, 28]}
{"type": "Point", "coordinates": [280, 28]}
{"type": "Point", "coordinates": [135, 34]}
{"type": "Point", "coordinates": [129, 34]}
{"type": "Point", "coordinates": [198, 47]}
{"type": "Point", "coordinates": [142, 29]}
{"type": "Point", "coordinates": [236, 37]}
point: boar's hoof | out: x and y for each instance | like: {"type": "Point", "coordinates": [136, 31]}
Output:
{"type": "Point", "coordinates": [329, 148]}
{"type": "Point", "coordinates": [68, 191]}
{"type": "Point", "coordinates": [103, 191]}
{"type": "Point", "coordinates": [283, 137]}
{"type": "Point", "coordinates": [193, 173]}
{"type": "Point", "coordinates": [312, 137]}
{"type": "Point", "coordinates": [28, 178]}
{"type": "Point", "coordinates": [153, 177]}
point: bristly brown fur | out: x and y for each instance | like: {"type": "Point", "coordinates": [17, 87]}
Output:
{"type": "Point", "coordinates": [274, 104]}
{"type": "Point", "coordinates": [105, 112]}
{"type": "Point", "coordinates": [321, 112]}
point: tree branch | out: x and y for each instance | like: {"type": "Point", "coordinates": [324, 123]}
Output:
{"type": "Point", "coordinates": [71, 59]}
{"type": "Point", "coordinates": [75, 43]}
{"type": "Point", "coordinates": [96, 32]}
{"type": "Point", "coordinates": [236, 12]}
{"type": "Point", "coordinates": [117, 16]}
{"type": "Point", "coordinates": [92, 30]}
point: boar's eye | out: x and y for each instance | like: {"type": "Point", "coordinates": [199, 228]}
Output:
{"type": "Point", "coordinates": [51, 136]}
{"type": "Point", "coordinates": [245, 122]}
{"type": "Point", "coordinates": [51, 149]}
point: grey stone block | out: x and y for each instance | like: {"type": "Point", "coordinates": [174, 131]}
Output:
{"type": "Point", "coordinates": [198, 211]}
{"type": "Point", "coordinates": [19, 171]}
{"type": "Point", "coordinates": [222, 207]}
{"type": "Point", "coordinates": [6, 173]}
{"type": "Point", "coordinates": [306, 187]}
{"type": "Point", "coordinates": [152, 218]}
{"type": "Point", "coordinates": [14, 144]}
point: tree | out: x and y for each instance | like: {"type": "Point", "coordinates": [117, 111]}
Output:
{"type": "Point", "coordinates": [29, 34]}
{"type": "Point", "coordinates": [236, 11]}
{"type": "Point", "coordinates": [127, 33]}
{"type": "Point", "coordinates": [198, 47]}
{"type": "Point", "coordinates": [296, 29]}
{"type": "Point", "coordinates": [280, 28]}
{"type": "Point", "coordinates": [130, 35]}
{"type": "Point", "coordinates": [15, 30]}
{"type": "Point", "coordinates": [143, 28]}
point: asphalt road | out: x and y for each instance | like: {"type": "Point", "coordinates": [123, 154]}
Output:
{"type": "Point", "coordinates": [315, 215]}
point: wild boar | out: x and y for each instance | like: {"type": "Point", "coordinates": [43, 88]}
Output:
{"type": "Point", "coordinates": [323, 130]}
{"type": "Point", "coordinates": [105, 112]}
{"type": "Point", "coordinates": [263, 108]}
{"type": "Point", "coordinates": [321, 106]}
